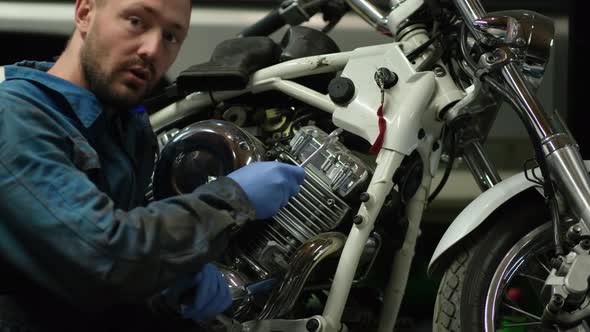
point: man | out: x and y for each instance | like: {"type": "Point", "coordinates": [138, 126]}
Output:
{"type": "Point", "coordinates": [75, 240]}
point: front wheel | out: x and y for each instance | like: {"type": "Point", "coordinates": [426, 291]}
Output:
{"type": "Point", "coordinates": [494, 282]}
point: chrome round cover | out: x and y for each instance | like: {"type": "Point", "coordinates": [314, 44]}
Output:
{"type": "Point", "coordinates": [538, 31]}
{"type": "Point", "coordinates": [200, 153]}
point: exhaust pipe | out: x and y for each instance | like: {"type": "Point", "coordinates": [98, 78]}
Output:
{"type": "Point", "coordinates": [304, 260]}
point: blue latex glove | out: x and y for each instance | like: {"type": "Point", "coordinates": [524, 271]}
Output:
{"type": "Point", "coordinates": [269, 185]}
{"type": "Point", "coordinates": [211, 294]}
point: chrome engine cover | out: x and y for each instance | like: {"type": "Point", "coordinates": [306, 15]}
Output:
{"type": "Point", "coordinates": [266, 249]}
{"type": "Point", "coordinates": [318, 208]}
{"type": "Point", "coordinates": [337, 166]}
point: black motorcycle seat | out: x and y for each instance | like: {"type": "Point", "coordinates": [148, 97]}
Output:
{"type": "Point", "coordinates": [230, 65]}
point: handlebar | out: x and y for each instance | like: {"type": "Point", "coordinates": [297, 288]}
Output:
{"type": "Point", "coordinates": [267, 25]}
{"type": "Point", "coordinates": [370, 14]}
{"type": "Point", "coordinates": [291, 12]}
{"type": "Point", "coordinates": [294, 13]}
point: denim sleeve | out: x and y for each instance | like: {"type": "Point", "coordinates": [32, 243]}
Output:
{"type": "Point", "coordinates": [59, 229]}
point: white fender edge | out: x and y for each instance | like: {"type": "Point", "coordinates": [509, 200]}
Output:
{"type": "Point", "coordinates": [479, 209]}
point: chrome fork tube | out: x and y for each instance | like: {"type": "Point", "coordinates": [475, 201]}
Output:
{"type": "Point", "coordinates": [367, 11]}
{"type": "Point", "coordinates": [481, 167]}
{"type": "Point", "coordinates": [559, 149]}
{"type": "Point", "coordinates": [533, 109]}
{"type": "Point", "coordinates": [571, 177]}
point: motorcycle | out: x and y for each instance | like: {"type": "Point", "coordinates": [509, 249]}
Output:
{"type": "Point", "coordinates": [370, 127]}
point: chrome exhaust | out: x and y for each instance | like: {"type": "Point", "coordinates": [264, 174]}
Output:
{"type": "Point", "coordinates": [304, 260]}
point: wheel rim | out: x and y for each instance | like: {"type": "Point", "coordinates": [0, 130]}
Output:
{"type": "Point", "coordinates": [525, 258]}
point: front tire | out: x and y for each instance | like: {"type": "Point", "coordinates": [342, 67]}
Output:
{"type": "Point", "coordinates": [462, 295]}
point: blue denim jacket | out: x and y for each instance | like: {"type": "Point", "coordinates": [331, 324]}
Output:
{"type": "Point", "coordinates": [72, 188]}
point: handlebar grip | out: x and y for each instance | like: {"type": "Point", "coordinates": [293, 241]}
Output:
{"type": "Point", "coordinates": [264, 27]}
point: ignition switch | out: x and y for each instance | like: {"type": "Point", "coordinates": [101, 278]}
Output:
{"type": "Point", "coordinates": [385, 78]}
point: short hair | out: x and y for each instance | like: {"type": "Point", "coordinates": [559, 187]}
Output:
{"type": "Point", "coordinates": [100, 3]}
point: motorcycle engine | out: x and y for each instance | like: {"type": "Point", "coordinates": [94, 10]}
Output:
{"type": "Point", "coordinates": [318, 208]}
{"type": "Point", "coordinates": [264, 250]}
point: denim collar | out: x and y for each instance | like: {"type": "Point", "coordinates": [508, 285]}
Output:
{"type": "Point", "coordinates": [83, 102]}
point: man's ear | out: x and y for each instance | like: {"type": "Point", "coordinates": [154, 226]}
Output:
{"type": "Point", "coordinates": [84, 14]}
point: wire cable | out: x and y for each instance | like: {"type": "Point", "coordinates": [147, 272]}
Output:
{"type": "Point", "coordinates": [448, 169]}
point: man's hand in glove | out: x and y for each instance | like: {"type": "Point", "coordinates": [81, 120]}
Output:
{"type": "Point", "coordinates": [200, 297]}
{"type": "Point", "coordinates": [269, 185]}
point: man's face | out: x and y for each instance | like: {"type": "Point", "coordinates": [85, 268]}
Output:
{"type": "Point", "coordinates": [129, 45]}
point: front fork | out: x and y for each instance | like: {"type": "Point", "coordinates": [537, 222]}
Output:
{"type": "Point", "coordinates": [558, 147]}
{"type": "Point", "coordinates": [559, 150]}
{"type": "Point", "coordinates": [565, 168]}
{"type": "Point", "coordinates": [568, 305]}
{"type": "Point", "coordinates": [480, 166]}
{"type": "Point", "coordinates": [562, 165]}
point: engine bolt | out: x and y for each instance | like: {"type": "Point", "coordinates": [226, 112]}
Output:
{"type": "Point", "coordinates": [558, 299]}
{"type": "Point", "coordinates": [439, 71]}
{"type": "Point", "coordinates": [312, 325]}
{"type": "Point", "coordinates": [421, 134]}
{"type": "Point", "coordinates": [491, 59]}
{"type": "Point", "coordinates": [358, 219]}
{"type": "Point", "coordinates": [271, 154]}
{"type": "Point", "coordinates": [555, 304]}
{"type": "Point", "coordinates": [574, 233]}
{"type": "Point", "coordinates": [365, 197]}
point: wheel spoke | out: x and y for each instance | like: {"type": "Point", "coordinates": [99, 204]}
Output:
{"type": "Point", "coordinates": [526, 313]}
{"type": "Point", "coordinates": [528, 276]}
{"type": "Point", "coordinates": [504, 326]}
{"type": "Point", "coordinates": [543, 265]}
{"type": "Point", "coordinates": [534, 274]}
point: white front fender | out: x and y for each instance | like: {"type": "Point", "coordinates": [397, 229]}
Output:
{"type": "Point", "coordinates": [477, 211]}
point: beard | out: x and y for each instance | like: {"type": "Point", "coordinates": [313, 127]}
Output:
{"type": "Point", "coordinates": [101, 83]}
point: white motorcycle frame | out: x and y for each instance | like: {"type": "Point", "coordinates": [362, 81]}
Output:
{"type": "Point", "coordinates": [411, 111]}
